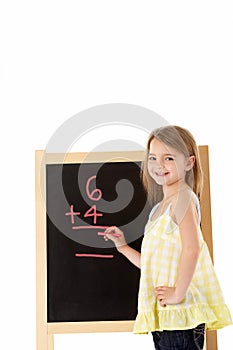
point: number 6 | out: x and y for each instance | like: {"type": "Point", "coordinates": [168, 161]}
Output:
{"type": "Point", "coordinates": [97, 190]}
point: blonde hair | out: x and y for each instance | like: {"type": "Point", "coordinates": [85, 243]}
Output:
{"type": "Point", "coordinates": [183, 141]}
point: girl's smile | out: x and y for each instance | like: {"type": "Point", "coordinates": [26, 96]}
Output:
{"type": "Point", "coordinates": [162, 174]}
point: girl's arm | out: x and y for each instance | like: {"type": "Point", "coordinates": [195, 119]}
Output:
{"type": "Point", "coordinates": [117, 236]}
{"type": "Point", "coordinates": [190, 251]}
{"type": "Point", "coordinates": [188, 259]}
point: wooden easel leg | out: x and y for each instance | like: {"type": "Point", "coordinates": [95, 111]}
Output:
{"type": "Point", "coordinates": [211, 340]}
{"type": "Point", "coordinates": [45, 342]}
{"type": "Point", "coordinates": [42, 339]}
{"type": "Point", "coordinates": [50, 342]}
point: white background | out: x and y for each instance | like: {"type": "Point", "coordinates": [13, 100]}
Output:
{"type": "Point", "coordinates": [61, 57]}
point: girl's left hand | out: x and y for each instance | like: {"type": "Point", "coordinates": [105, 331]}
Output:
{"type": "Point", "coordinates": [167, 295]}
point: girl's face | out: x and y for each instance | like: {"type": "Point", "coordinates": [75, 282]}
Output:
{"type": "Point", "coordinates": [166, 165]}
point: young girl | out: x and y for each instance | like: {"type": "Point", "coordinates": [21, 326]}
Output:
{"type": "Point", "coordinates": [179, 294]}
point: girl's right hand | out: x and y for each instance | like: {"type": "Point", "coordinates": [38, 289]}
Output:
{"type": "Point", "coordinates": [116, 235]}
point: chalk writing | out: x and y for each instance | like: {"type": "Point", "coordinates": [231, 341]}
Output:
{"type": "Point", "coordinates": [97, 190]}
{"type": "Point", "coordinates": [92, 211]}
{"type": "Point", "coordinates": [93, 195]}
{"type": "Point", "coordinates": [88, 227]}
{"type": "Point", "coordinates": [102, 256]}
{"type": "Point", "coordinates": [72, 213]}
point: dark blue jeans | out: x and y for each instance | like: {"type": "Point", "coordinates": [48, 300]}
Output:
{"type": "Point", "coordinates": [190, 339]}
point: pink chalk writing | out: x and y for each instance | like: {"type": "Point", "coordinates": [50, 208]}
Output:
{"type": "Point", "coordinates": [94, 195]}
{"type": "Point", "coordinates": [72, 213]}
{"type": "Point", "coordinates": [92, 212]}
{"type": "Point", "coordinates": [91, 194]}
{"type": "Point", "coordinates": [101, 256]}
{"type": "Point", "coordinates": [88, 227]}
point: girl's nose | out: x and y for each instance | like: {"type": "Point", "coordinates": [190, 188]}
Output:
{"type": "Point", "coordinates": [160, 163]}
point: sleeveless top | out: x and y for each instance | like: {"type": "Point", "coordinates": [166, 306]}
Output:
{"type": "Point", "coordinates": [203, 302]}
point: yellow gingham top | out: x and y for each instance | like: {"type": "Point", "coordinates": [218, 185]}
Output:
{"type": "Point", "coordinates": [203, 303]}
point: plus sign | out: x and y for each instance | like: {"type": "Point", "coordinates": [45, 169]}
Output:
{"type": "Point", "coordinates": [71, 213]}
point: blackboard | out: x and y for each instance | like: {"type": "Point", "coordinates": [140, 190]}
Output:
{"type": "Point", "coordinates": [87, 278]}
{"type": "Point", "coordinates": [89, 292]}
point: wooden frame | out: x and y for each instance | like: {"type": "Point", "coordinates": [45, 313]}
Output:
{"type": "Point", "coordinates": [45, 331]}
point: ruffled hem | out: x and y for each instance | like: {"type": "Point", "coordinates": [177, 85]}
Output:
{"type": "Point", "coordinates": [214, 317]}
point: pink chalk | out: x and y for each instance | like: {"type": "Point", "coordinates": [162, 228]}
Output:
{"type": "Point", "coordinates": [88, 227]}
{"type": "Point", "coordinates": [104, 234]}
{"type": "Point", "coordinates": [72, 213]}
{"type": "Point", "coordinates": [97, 190]}
{"type": "Point", "coordinates": [102, 256]}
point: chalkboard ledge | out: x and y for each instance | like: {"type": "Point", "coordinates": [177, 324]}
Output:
{"type": "Point", "coordinates": [90, 327]}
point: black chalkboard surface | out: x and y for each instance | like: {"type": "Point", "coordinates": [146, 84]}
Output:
{"type": "Point", "coordinates": [87, 278]}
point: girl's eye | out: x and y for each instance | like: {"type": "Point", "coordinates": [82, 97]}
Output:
{"type": "Point", "coordinates": [169, 158]}
{"type": "Point", "coordinates": [152, 158]}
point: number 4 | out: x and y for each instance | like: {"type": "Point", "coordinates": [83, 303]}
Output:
{"type": "Point", "coordinates": [92, 212]}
